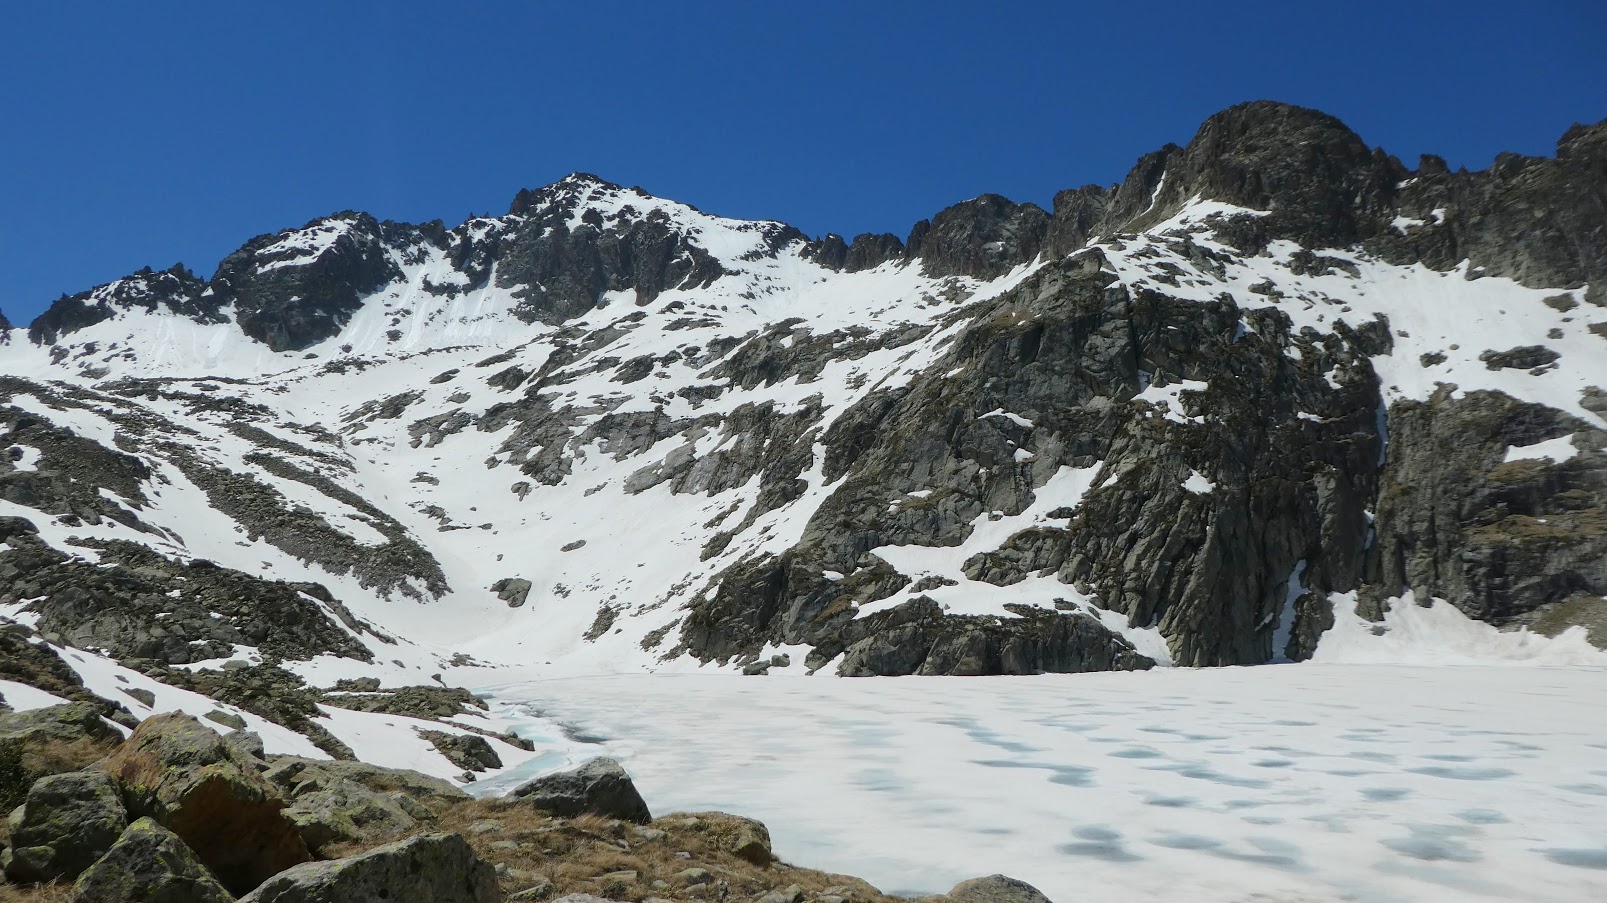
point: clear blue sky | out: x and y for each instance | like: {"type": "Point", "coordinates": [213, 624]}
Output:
{"type": "Point", "coordinates": [155, 132]}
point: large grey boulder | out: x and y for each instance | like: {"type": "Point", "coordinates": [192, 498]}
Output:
{"type": "Point", "coordinates": [69, 821]}
{"type": "Point", "coordinates": [149, 864]}
{"type": "Point", "coordinates": [428, 868]}
{"type": "Point", "coordinates": [347, 801]}
{"type": "Point", "coordinates": [209, 793]}
{"type": "Point", "coordinates": [599, 786]}
{"type": "Point", "coordinates": [996, 889]}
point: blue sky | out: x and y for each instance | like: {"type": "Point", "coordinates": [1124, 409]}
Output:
{"type": "Point", "coordinates": [150, 133]}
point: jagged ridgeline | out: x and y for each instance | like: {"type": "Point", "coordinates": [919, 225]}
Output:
{"type": "Point", "coordinates": [1274, 381]}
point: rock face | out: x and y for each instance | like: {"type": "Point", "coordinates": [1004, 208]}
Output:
{"type": "Point", "coordinates": [69, 821]}
{"type": "Point", "coordinates": [291, 289]}
{"type": "Point", "coordinates": [429, 868]}
{"type": "Point", "coordinates": [1502, 540]}
{"type": "Point", "coordinates": [192, 782]}
{"type": "Point", "coordinates": [149, 864]}
{"type": "Point", "coordinates": [599, 786]}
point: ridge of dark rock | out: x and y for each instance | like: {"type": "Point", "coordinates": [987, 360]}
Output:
{"type": "Point", "coordinates": [1319, 182]}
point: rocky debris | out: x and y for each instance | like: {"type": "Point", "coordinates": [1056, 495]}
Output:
{"type": "Point", "coordinates": [203, 789]}
{"type": "Point", "coordinates": [154, 607]}
{"type": "Point", "coordinates": [996, 889]}
{"type": "Point", "coordinates": [429, 868]}
{"type": "Point", "coordinates": [73, 474]}
{"type": "Point", "coordinates": [26, 658]}
{"type": "Point", "coordinates": [267, 690]}
{"type": "Point", "coordinates": [467, 751]}
{"type": "Point", "coordinates": [512, 590]}
{"type": "Point", "coordinates": [149, 864]}
{"type": "Point", "coordinates": [393, 566]}
{"type": "Point", "coordinates": [68, 821]}
{"type": "Point", "coordinates": [598, 786]}
{"type": "Point", "coordinates": [419, 701]}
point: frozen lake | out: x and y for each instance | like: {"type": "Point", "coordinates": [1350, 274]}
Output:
{"type": "Point", "coordinates": [1278, 783]}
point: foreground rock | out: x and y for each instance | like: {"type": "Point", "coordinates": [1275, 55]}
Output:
{"type": "Point", "coordinates": [429, 868]}
{"type": "Point", "coordinates": [149, 864]}
{"type": "Point", "coordinates": [69, 821]}
{"type": "Point", "coordinates": [996, 889]}
{"type": "Point", "coordinates": [208, 792]}
{"type": "Point", "coordinates": [598, 787]}
{"type": "Point", "coordinates": [353, 801]}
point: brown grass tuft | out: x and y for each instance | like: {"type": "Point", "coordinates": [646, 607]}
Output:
{"type": "Point", "coordinates": [35, 893]}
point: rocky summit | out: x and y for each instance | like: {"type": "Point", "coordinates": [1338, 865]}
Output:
{"type": "Point", "coordinates": [1273, 381]}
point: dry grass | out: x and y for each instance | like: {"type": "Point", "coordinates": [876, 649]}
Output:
{"type": "Point", "coordinates": [58, 756]}
{"type": "Point", "coordinates": [35, 893]}
{"type": "Point", "coordinates": [531, 847]}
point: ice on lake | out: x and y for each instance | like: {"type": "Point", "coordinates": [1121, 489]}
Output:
{"type": "Point", "coordinates": [1289, 783]}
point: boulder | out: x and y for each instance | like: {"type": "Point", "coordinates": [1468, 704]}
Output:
{"type": "Point", "coordinates": [512, 590]}
{"type": "Point", "coordinates": [72, 722]}
{"type": "Point", "coordinates": [149, 864]}
{"type": "Point", "coordinates": [346, 801]}
{"type": "Point", "coordinates": [996, 889]}
{"type": "Point", "coordinates": [598, 787]}
{"type": "Point", "coordinates": [209, 793]}
{"type": "Point", "coordinates": [296, 777]}
{"type": "Point", "coordinates": [69, 821]}
{"type": "Point", "coordinates": [751, 841]}
{"type": "Point", "coordinates": [428, 868]}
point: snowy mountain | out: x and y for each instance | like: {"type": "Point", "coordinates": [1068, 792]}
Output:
{"type": "Point", "coordinates": [1272, 386]}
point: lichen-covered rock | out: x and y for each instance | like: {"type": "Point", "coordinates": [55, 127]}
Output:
{"type": "Point", "coordinates": [996, 889]}
{"type": "Point", "coordinates": [353, 801]}
{"type": "Point", "coordinates": [69, 821]}
{"type": "Point", "coordinates": [149, 864]}
{"type": "Point", "coordinates": [202, 788]}
{"type": "Point", "coordinates": [429, 868]}
{"type": "Point", "coordinates": [600, 786]}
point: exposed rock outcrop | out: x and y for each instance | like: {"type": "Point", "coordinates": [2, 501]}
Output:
{"type": "Point", "coordinates": [598, 786]}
